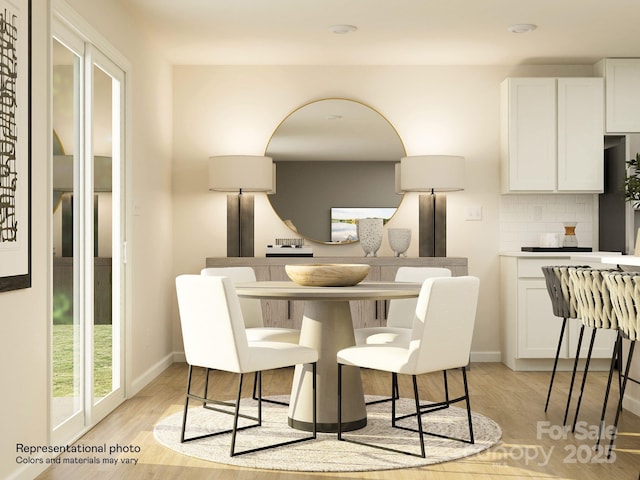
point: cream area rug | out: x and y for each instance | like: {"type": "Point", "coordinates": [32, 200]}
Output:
{"type": "Point", "coordinates": [326, 453]}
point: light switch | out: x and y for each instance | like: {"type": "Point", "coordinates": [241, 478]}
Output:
{"type": "Point", "coordinates": [473, 212]}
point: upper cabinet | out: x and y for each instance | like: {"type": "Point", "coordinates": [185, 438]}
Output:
{"type": "Point", "coordinates": [552, 135]}
{"type": "Point", "coordinates": [622, 84]}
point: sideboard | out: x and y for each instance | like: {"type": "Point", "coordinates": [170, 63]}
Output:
{"type": "Point", "coordinates": [284, 313]}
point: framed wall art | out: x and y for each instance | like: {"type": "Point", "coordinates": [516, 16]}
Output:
{"type": "Point", "coordinates": [15, 144]}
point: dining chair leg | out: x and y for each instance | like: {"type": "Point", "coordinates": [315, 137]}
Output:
{"type": "Point", "coordinates": [466, 394]}
{"type": "Point", "coordinates": [186, 405]}
{"type": "Point", "coordinates": [555, 362]}
{"type": "Point", "coordinates": [235, 417]}
{"type": "Point", "coordinates": [255, 396]}
{"type": "Point", "coordinates": [419, 416]}
{"type": "Point", "coordinates": [622, 390]}
{"type": "Point", "coordinates": [339, 401]}
{"type": "Point", "coordinates": [573, 374]}
{"type": "Point", "coordinates": [615, 356]}
{"type": "Point", "coordinates": [584, 378]}
{"type": "Point", "coordinates": [446, 387]}
{"type": "Point", "coordinates": [393, 400]}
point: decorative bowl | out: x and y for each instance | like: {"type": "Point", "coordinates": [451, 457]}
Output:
{"type": "Point", "coordinates": [328, 274]}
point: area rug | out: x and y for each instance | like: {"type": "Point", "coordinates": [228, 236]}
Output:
{"type": "Point", "coordinates": [326, 453]}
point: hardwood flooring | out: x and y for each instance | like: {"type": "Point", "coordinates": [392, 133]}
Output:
{"type": "Point", "coordinates": [533, 443]}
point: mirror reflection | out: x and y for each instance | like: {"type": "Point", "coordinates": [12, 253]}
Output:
{"type": "Point", "coordinates": [332, 154]}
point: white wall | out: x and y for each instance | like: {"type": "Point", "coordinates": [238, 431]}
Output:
{"type": "Point", "coordinates": [24, 325]}
{"type": "Point", "coordinates": [436, 110]}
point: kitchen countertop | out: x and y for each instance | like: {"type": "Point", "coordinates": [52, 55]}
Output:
{"type": "Point", "coordinates": [590, 256]}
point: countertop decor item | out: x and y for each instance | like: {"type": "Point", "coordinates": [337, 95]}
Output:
{"type": "Point", "coordinates": [399, 240]}
{"type": "Point", "coordinates": [370, 235]}
{"type": "Point", "coordinates": [327, 275]}
{"type": "Point", "coordinates": [570, 239]}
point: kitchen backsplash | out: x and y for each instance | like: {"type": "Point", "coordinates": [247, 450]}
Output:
{"type": "Point", "coordinates": [524, 217]}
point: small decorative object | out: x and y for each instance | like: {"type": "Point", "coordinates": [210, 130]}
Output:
{"type": "Point", "coordinates": [399, 240]}
{"type": "Point", "coordinates": [327, 275]}
{"type": "Point", "coordinates": [548, 240]}
{"type": "Point", "coordinates": [570, 239]}
{"type": "Point", "coordinates": [370, 235]}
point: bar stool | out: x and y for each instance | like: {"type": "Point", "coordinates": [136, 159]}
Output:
{"type": "Point", "coordinates": [563, 303]}
{"type": "Point", "coordinates": [594, 309]}
{"type": "Point", "coordinates": [624, 290]}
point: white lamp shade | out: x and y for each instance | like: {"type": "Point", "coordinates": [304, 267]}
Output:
{"type": "Point", "coordinates": [426, 173]}
{"type": "Point", "coordinates": [249, 173]}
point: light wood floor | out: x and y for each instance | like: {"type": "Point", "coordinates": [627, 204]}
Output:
{"type": "Point", "coordinates": [530, 445]}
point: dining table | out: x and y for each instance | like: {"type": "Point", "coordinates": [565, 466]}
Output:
{"type": "Point", "coordinates": [327, 326]}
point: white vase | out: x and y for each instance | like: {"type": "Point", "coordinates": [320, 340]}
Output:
{"type": "Point", "coordinates": [399, 240]}
{"type": "Point", "coordinates": [370, 235]}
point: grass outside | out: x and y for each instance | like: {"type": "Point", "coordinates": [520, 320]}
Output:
{"type": "Point", "coordinates": [63, 356]}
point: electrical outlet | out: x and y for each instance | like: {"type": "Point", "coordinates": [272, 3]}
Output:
{"type": "Point", "coordinates": [473, 212]}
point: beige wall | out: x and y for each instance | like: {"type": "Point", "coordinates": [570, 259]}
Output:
{"type": "Point", "coordinates": [24, 325]}
{"type": "Point", "coordinates": [436, 110]}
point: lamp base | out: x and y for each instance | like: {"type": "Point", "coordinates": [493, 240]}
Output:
{"type": "Point", "coordinates": [432, 225]}
{"type": "Point", "coordinates": [240, 225]}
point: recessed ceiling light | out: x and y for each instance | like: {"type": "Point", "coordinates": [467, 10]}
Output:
{"type": "Point", "coordinates": [522, 28]}
{"type": "Point", "coordinates": [342, 29]}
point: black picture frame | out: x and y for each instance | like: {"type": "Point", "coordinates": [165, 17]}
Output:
{"type": "Point", "coordinates": [15, 145]}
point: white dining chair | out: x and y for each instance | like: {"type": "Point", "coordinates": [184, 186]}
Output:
{"type": "Point", "coordinates": [215, 339]}
{"type": "Point", "coordinates": [401, 311]}
{"type": "Point", "coordinates": [400, 318]}
{"type": "Point", "coordinates": [252, 308]}
{"type": "Point", "coordinates": [252, 314]}
{"type": "Point", "coordinates": [440, 340]}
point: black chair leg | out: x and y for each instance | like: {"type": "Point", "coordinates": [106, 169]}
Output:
{"type": "Point", "coordinates": [624, 386]}
{"type": "Point", "coordinates": [555, 362]}
{"type": "Point", "coordinates": [420, 432]}
{"type": "Point", "coordinates": [573, 374]}
{"type": "Point", "coordinates": [186, 405]}
{"type": "Point", "coordinates": [615, 356]}
{"type": "Point", "coordinates": [466, 394]}
{"type": "Point", "coordinates": [254, 395]}
{"type": "Point", "coordinates": [584, 377]}
{"type": "Point", "coordinates": [235, 417]}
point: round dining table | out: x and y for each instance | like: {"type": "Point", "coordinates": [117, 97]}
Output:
{"type": "Point", "coordinates": [327, 326]}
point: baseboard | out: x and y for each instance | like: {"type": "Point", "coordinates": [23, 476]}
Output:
{"type": "Point", "coordinates": [28, 472]}
{"type": "Point", "coordinates": [144, 379]}
{"type": "Point", "coordinates": [179, 357]}
{"type": "Point", "coordinates": [485, 357]}
{"type": "Point", "coordinates": [631, 404]}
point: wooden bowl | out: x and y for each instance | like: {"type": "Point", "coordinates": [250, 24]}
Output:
{"type": "Point", "coordinates": [327, 275]}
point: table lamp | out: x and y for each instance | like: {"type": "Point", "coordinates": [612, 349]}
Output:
{"type": "Point", "coordinates": [432, 173]}
{"type": "Point", "coordinates": [241, 173]}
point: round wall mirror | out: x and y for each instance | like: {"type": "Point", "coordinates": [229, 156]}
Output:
{"type": "Point", "coordinates": [335, 162]}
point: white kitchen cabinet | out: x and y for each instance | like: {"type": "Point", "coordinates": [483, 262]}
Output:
{"type": "Point", "coordinates": [622, 94]}
{"type": "Point", "coordinates": [552, 135]}
{"type": "Point", "coordinates": [530, 330]}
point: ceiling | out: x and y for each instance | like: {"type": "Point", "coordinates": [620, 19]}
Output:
{"type": "Point", "coordinates": [390, 32]}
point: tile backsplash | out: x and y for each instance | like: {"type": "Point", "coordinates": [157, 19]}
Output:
{"type": "Point", "coordinates": [524, 217]}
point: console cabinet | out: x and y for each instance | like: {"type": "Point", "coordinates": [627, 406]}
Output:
{"type": "Point", "coordinates": [288, 313]}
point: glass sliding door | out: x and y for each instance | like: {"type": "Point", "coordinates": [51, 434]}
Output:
{"type": "Point", "coordinates": [87, 235]}
{"type": "Point", "coordinates": [67, 329]}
